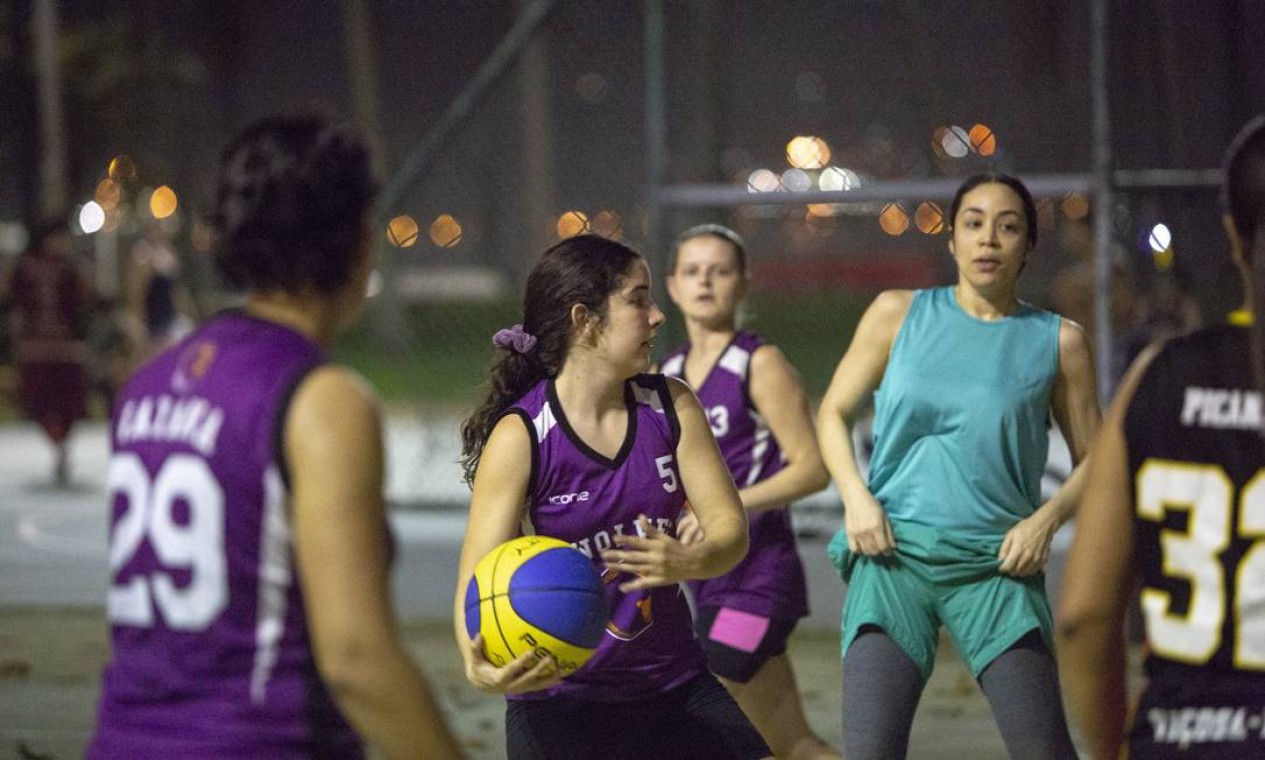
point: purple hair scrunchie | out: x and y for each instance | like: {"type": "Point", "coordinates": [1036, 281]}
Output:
{"type": "Point", "coordinates": [515, 338]}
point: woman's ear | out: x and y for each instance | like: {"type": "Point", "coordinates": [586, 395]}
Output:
{"type": "Point", "coordinates": [582, 320]}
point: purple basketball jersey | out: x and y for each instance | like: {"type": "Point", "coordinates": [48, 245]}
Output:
{"type": "Point", "coordinates": [211, 656]}
{"type": "Point", "coordinates": [770, 579]}
{"type": "Point", "coordinates": [578, 495]}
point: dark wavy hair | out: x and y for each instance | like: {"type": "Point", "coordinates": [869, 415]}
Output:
{"type": "Point", "coordinates": [585, 269]}
{"type": "Point", "coordinates": [1244, 197]}
{"type": "Point", "coordinates": [718, 231]}
{"type": "Point", "coordinates": [1021, 190]}
{"type": "Point", "coordinates": [290, 205]}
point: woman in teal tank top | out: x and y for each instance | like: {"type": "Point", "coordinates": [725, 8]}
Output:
{"type": "Point", "coordinates": [950, 529]}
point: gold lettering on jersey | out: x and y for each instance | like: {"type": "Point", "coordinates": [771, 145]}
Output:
{"type": "Point", "coordinates": [1221, 408]}
{"type": "Point", "coordinates": [190, 420]}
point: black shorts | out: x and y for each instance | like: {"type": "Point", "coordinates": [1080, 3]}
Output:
{"type": "Point", "coordinates": [738, 643]}
{"type": "Point", "coordinates": [697, 720]}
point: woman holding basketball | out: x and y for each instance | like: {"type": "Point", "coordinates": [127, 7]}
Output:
{"type": "Point", "coordinates": [574, 442]}
{"type": "Point", "coordinates": [1173, 510]}
{"type": "Point", "coordinates": [950, 529]}
{"type": "Point", "coordinates": [756, 407]}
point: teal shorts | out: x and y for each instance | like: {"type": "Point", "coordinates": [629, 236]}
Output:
{"type": "Point", "coordinates": [935, 580]}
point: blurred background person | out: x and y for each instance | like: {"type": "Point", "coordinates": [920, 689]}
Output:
{"type": "Point", "coordinates": [757, 410]}
{"type": "Point", "coordinates": [247, 465]}
{"type": "Point", "coordinates": [158, 302]}
{"type": "Point", "coordinates": [49, 305]}
{"type": "Point", "coordinates": [1174, 505]}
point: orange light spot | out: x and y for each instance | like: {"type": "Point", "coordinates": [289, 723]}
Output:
{"type": "Point", "coordinates": [607, 224]}
{"type": "Point", "coordinates": [929, 218]}
{"type": "Point", "coordinates": [402, 231]}
{"type": "Point", "coordinates": [122, 169]}
{"type": "Point", "coordinates": [893, 219]}
{"type": "Point", "coordinates": [107, 194]}
{"type": "Point", "coordinates": [163, 202]}
{"type": "Point", "coordinates": [572, 223]}
{"type": "Point", "coordinates": [445, 231]}
{"type": "Point", "coordinates": [983, 141]}
{"type": "Point", "coordinates": [1075, 206]}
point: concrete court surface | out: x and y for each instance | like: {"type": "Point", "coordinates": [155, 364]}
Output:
{"type": "Point", "coordinates": [53, 639]}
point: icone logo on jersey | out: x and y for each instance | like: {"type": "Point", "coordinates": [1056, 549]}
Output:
{"type": "Point", "coordinates": [567, 498]}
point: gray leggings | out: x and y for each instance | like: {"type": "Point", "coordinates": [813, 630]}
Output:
{"type": "Point", "coordinates": [882, 686]}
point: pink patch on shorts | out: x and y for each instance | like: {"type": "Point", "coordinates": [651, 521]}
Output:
{"type": "Point", "coordinates": [738, 629]}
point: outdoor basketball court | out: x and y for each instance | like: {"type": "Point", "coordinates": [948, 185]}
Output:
{"type": "Point", "coordinates": [53, 639]}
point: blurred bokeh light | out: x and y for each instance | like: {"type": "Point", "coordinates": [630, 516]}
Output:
{"type": "Point", "coordinates": [107, 194]}
{"type": "Point", "coordinates": [122, 169]}
{"type": "Point", "coordinates": [1075, 206]}
{"type": "Point", "coordinates": [607, 224]}
{"type": "Point", "coordinates": [983, 141]}
{"type": "Point", "coordinates": [894, 220]}
{"type": "Point", "coordinates": [807, 152]}
{"type": "Point", "coordinates": [445, 231]}
{"type": "Point", "coordinates": [402, 231]}
{"type": "Point", "coordinates": [929, 218]}
{"type": "Point", "coordinates": [91, 217]}
{"type": "Point", "coordinates": [163, 202]}
{"type": "Point", "coordinates": [763, 181]}
{"type": "Point", "coordinates": [572, 223]}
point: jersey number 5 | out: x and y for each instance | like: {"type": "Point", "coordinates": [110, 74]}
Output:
{"type": "Point", "coordinates": [192, 544]}
{"type": "Point", "coordinates": [1206, 493]}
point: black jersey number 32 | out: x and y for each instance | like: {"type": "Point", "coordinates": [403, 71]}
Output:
{"type": "Point", "coordinates": [1206, 493]}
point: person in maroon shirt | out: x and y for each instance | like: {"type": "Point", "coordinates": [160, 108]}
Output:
{"type": "Point", "coordinates": [48, 307]}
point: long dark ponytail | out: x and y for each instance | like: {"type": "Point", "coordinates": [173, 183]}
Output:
{"type": "Point", "coordinates": [1245, 200]}
{"type": "Point", "coordinates": [584, 269]}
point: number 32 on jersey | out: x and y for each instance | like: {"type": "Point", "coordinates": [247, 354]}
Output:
{"type": "Point", "coordinates": [1207, 494]}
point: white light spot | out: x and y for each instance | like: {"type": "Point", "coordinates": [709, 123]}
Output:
{"type": "Point", "coordinates": [1161, 238]}
{"type": "Point", "coordinates": [91, 217]}
{"type": "Point", "coordinates": [796, 180]}
{"type": "Point", "coordinates": [763, 181]}
{"type": "Point", "coordinates": [956, 142]}
{"type": "Point", "coordinates": [838, 178]}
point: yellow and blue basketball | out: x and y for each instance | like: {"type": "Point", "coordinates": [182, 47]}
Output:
{"type": "Point", "coordinates": [535, 593]}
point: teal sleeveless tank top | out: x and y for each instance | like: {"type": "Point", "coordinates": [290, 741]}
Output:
{"type": "Point", "coordinates": [961, 417]}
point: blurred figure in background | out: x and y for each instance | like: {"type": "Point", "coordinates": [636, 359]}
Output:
{"type": "Point", "coordinates": [1174, 503]}
{"type": "Point", "coordinates": [49, 304]}
{"type": "Point", "coordinates": [158, 302]}
{"type": "Point", "coordinates": [250, 556]}
{"type": "Point", "coordinates": [756, 407]}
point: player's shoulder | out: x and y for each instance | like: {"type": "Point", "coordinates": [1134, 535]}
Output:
{"type": "Point", "coordinates": [1073, 339]}
{"type": "Point", "coordinates": [678, 392]}
{"type": "Point", "coordinates": [335, 394]}
{"type": "Point", "coordinates": [885, 316]}
{"type": "Point", "coordinates": [769, 356]}
{"type": "Point", "coordinates": [892, 304]}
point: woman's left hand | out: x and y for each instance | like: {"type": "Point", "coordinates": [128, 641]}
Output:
{"type": "Point", "coordinates": [1026, 547]}
{"type": "Point", "coordinates": [656, 558]}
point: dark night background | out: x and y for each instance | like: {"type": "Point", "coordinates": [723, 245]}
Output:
{"type": "Point", "coordinates": [563, 128]}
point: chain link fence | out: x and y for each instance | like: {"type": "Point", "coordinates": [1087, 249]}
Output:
{"type": "Point", "coordinates": [772, 101]}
